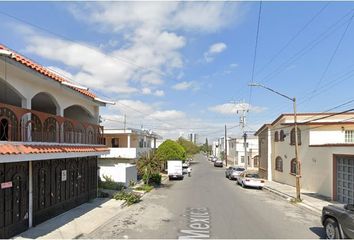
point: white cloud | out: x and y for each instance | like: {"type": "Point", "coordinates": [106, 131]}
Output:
{"type": "Point", "coordinates": [213, 50]}
{"type": "Point", "coordinates": [182, 85]}
{"type": "Point", "coordinates": [232, 108]}
{"type": "Point", "coordinates": [159, 93]}
{"type": "Point", "coordinates": [186, 85]}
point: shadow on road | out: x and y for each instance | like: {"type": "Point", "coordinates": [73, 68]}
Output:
{"type": "Point", "coordinates": [319, 231]}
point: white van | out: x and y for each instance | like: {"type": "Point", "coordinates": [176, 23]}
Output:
{"type": "Point", "coordinates": [174, 169]}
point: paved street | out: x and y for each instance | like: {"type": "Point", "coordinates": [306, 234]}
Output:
{"type": "Point", "coordinates": [213, 204]}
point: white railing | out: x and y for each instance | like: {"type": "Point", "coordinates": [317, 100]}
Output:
{"type": "Point", "coordinates": [128, 153]}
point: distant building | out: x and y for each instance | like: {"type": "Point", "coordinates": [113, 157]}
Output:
{"type": "Point", "coordinates": [126, 147]}
{"type": "Point", "coordinates": [193, 138]}
{"type": "Point", "coordinates": [236, 151]}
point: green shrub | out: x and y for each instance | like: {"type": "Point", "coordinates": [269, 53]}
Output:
{"type": "Point", "coordinates": [110, 184]}
{"type": "Point", "coordinates": [155, 178]}
{"type": "Point", "coordinates": [129, 198]}
{"type": "Point", "coordinates": [145, 188]}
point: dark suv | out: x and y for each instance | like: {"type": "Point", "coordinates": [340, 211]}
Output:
{"type": "Point", "coordinates": [338, 221]}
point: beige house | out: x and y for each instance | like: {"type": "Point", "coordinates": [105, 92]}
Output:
{"type": "Point", "coordinates": [326, 152]}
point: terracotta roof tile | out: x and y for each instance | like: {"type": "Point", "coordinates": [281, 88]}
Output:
{"type": "Point", "coordinates": [35, 66]}
{"type": "Point", "coordinates": [11, 149]}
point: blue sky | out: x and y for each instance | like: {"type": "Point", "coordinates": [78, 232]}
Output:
{"type": "Point", "coordinates": [180, 67]}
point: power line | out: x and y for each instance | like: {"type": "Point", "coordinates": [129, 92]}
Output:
{"type": "Point", "coordinates": [255, 51]}
{"type": "Point", "coordinates": [294, 37]}
{"type": "Point", "coordinates": [331, 29]}
{"type": "Point", "coordinates": [332, 56]}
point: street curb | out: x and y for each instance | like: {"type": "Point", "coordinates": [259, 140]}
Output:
{"type": "Point", "coordinates": [291, 199]}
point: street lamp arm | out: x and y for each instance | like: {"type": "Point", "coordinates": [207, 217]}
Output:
{"type": "Point", "coordinates": [272, 90]}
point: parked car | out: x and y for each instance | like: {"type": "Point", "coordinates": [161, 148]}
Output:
{"type": "Point", "coordinates": [338, 221]}
{"type": "Point", "coordinates": [233, 172]}
{"type": "Point", "coordinates": [218, 163]}
{"type": "Point", "coordinates": [250, 179]}
{"type": "Point", "coordinates": [214, 159]}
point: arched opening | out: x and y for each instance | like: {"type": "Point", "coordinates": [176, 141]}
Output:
{"type": "Point", "coordinates": [292, 136]}
{"type": "Point", "coordinates": [44, 102]}
{"type": "Point", "coordinates": [282, 135]}
{"type": "Point", "coordinates": [9, 95]}
{"type": "Point", "coordinates": [79, 113]}
{"type": "Point", "coordinates": [279, 164]}
{"type": "Point", "coordinates": [276, 136]}
{"type": "Point", "coordinates": [293, 166]}
{"type": "Point", "coordinates": [4, 130]}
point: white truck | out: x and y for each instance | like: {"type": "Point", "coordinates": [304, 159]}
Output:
{"type": "Point", "coordinates": [174, 169]}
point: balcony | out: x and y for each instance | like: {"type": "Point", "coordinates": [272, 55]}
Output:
{"type": "Point", "coordinates": [24, 125]}
{"type": "Point", "coordinates": [126, 153]}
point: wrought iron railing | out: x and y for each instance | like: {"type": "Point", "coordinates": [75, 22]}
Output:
{"type": "Point", "coordinates": [24, 125]}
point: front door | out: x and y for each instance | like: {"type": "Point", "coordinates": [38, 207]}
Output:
{"type": "Point", "coordinates": [13, 199]}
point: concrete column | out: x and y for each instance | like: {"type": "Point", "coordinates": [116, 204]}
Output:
{"type": "Point", "coordinates": [30, 195]}
{"type": "Point", "coordinates": [60, 112]}
{"type": "Point", "coordinates": [26, 103]}
{"type": "Point", "coordinates": [269, 157]}
{"type": "Point", "coordinates": [128, 141]}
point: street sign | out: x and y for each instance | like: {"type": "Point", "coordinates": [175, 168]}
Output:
{"type": "Point", "coordinates": [6, 185]}
{"type": "Point", "coordinates": [63, 175]}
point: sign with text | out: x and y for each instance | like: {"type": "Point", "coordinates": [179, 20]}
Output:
{"type": "Point", "coordinates": [63, 175]}
{"type": "Point", "coordinates": [6, 185]}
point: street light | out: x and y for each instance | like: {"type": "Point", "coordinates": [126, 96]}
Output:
{"type": "Point", "coordinates": [298, 169]}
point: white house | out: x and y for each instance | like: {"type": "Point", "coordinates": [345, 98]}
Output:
{"type": "Point", "coordinates": [236, 151]}
{"type": "Point", "coordinates": [126, 147]}
{"type": "Point", "coordinates": [326, 152]}
{"type": "Point", "coordinates": [50, 139]}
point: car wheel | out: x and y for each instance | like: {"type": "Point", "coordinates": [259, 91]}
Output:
{"type": "Point", "coordinates": [242, 184]}
{"type": "Point", "coordinates": [260, 188]}
{"type": "Point", "coordinates": [332, 229]}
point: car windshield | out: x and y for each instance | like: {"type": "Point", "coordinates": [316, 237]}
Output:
{"type": "Point", "coordinates": [252, 175]}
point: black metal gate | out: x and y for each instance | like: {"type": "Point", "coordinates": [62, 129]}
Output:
{"type": "Point", "coordinates": [13, 198]}
{"type": "Point", "coordinates": [62, 184]}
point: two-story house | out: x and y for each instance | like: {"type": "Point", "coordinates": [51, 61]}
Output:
{"type": "Point", "coordinates": [326, 153]}
{"type": "Point", "coordinates": [50, 139]}
{"type": "Point", "coordinates": [236, 151]}
{"type": "Point", "coordinates": [126, 147]}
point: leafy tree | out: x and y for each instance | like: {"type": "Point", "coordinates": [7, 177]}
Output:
{"type": "Point", "coordinates": [170, 150]}
{"type": "Point", "coordinates": [188, 146]}
{"type": "Point", "coordinates": [206, 147]}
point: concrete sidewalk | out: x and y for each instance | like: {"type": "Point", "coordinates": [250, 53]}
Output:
{"type": "Point", "coordinates": [310, 200]}
{"type": "Point", "coordinates": [76, 222]}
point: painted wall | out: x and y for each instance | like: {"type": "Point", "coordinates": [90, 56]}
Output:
{"type": "Point", "coordinates": [119, 172]}
{"type": "Point", "coordinates": [29, 83]}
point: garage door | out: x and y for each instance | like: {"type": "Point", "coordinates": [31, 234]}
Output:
{"type": "Point", "coordinates": [345, 179]}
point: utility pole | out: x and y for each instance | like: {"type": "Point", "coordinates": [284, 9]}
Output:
{"type": "Point", "coordinates": [242, 124]}
{"type": "Point", "coordinates": [225, 149]}
{"type": "Point", "coordinates": [297, 160]}
{"type": "Point", "coordinates": [245, 149]}
{"type": "Point", "coordinates": [125, 122]}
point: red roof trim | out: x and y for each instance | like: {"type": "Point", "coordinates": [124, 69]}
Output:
{"type": "Point", "coordinates": [44, 71]}
{"type": "Point", "coordinates": [12, 149]}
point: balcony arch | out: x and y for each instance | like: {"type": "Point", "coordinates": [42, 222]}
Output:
{"type": "Point", "coordinates": [9, 94]}
{"type": "Point", "coordinates": [31, 127]}
{"type": "Point", "coordinates": [79, 113]}
{"type": "Point", "coordinates": [45, 102]}
{"type": "Point", "coordinates": [9, 129]}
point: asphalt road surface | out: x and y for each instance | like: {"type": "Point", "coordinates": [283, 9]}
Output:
{"type": "Point", "coordinates": [208, 205]}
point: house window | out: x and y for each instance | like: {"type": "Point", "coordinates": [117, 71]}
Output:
{"type": "Point", "coordinates": [292, 136]}
{"type": "Point", "coordinates": [141, 143]}
{"type": "Point", "coordinates": [293, 166]}
{"type": "Point", "coordinates": [115, 142]}
{"type": "Point", "coordinates": [349, 136]}
{"type": "Point", "coordinates": [279, 164]}
{"type": "Point", "coordinates": [276, 136]}
{"type": "Point", "coordinates": [282, 136]}
{"type": "Point", "coordinates": [242, 159]}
